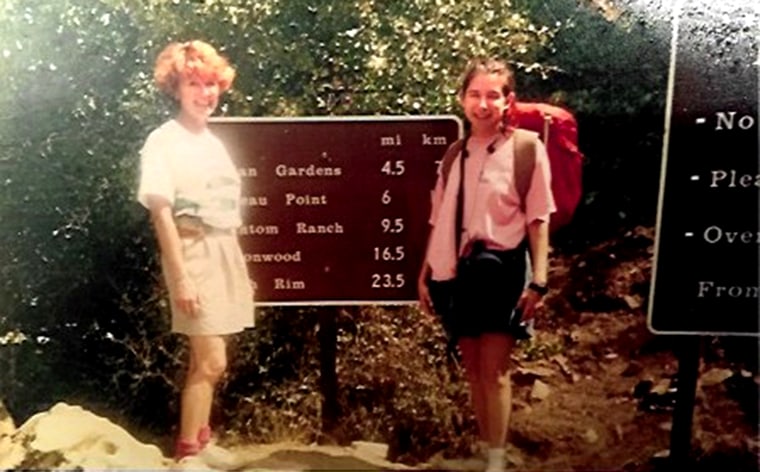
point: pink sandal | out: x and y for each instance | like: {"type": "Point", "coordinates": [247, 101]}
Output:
{"type": "Point", "coordinates": [184, 448]}
{"type": "Point", "coordinates": [204, 436]}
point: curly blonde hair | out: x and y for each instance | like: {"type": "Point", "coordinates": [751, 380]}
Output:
{"type": "Point", "coordinates": [191, 58]}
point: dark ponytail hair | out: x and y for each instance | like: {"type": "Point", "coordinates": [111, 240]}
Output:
{"type": "Point", "coordinates": [478, 65]}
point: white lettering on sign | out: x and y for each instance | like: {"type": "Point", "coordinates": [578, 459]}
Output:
{"type": "Point", "coordinates": [716, 234]}
{"type": "Point", "coordinates": [288, 284]}
{"type": "Point", "coordinates": [259, 230]}
{"type": "Point", "coordinates": [727, 120]}
{"type": "Point", "coordinates": [283, 170]}
{"type": "Point", "coordinates": [732, 179]}
{"type": "Point", "coordinates": [708, 288]}
{"type": "Point", "coordinates": [390, 140]}
{"type": "Point", "coordinates": [255, 201]}
{"type": "Point", "coordinates": [273, 257]}
{"type": "Point", "coordinates": [248, 172]}
{"type": "Point", "coordinates": [434, 140]}
{"type": "Point", "coordinates": [305, 200]}
{"type": "Point", "coordinates": [332, 228]}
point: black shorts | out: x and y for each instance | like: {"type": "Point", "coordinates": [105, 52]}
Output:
{"type": "Point", "coordinates": [484, 302]}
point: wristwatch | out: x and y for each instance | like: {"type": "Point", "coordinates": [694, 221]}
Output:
{"type": "Point", "coordinates": [539, 289]}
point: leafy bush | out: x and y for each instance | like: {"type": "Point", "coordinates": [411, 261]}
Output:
{"type": "Point", "coordinates": [396, 383]}
{"type": "Point", "coordinates": [399, 386]}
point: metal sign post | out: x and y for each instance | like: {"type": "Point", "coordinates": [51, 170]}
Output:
{"type": "Point", "coordinates": [688, 354]}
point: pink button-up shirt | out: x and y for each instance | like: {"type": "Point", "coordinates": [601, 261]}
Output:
{"type": "Point", "coordinates": [491, 209]}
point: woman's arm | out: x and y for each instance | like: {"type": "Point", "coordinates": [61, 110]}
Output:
{"type": "Point", "coordinates": [182, 290]}
{"type": "Point", "coordinates": [538, 240]}
{"type": "Point", "coordinates": [423, 292]}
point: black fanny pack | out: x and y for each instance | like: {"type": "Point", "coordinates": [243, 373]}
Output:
{"type": "Point", "coordinates": [482, 265]}
{"type": "Point", "coordinates": [479, 275]}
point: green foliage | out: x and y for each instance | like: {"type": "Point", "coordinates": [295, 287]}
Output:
{"type": "Point", "coordinates": [537, 349]}
{"type": "Point", "coordinates": [274, 393]}
{"type": "Point", "coordinates": [74, 249]}
{"type": "Point", "coordinates": [396, 384]}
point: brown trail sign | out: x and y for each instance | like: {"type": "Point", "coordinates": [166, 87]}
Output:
{"type": "Point", "coordinates": [336, 208]}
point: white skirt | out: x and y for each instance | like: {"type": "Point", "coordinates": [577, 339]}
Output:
{"type": "Point", "coordinates": [214, 263]}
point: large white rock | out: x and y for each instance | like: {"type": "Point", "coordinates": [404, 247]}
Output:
{"type": "Point", "coordinates": [11, 454]}
{"type": "Point", "coordinates": [87, 440]}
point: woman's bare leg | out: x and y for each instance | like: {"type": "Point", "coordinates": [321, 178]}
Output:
{"type": "Point", "coordinates": [208, 361]}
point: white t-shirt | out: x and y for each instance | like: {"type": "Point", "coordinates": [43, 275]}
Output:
{"type": "Point", "coordinates": [194, 172]}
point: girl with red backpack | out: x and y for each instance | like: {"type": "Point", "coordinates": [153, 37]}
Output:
{"type": "Point", "coordinates": [480, 232]}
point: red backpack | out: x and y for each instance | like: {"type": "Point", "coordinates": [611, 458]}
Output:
{"type": "Point", "coordinates": [558, 130]}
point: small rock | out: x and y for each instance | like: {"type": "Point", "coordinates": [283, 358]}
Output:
{"type": "Point", "coordinates": [540, 391]}
{"type": "Point", "coordinates": [563, 365]}
{"type": "Point", "coordinates": [632, 302]}
{"type": "Point", "coordinates": [535, 371]}
{"type": "Point", "coordinates": [513, 458]}
{"type": "Point", "coordinates": [662, 387]}
{"type": "Point", "coordinates": [714, 377]}
{"type": "Point", "coordinates": [591, 436]}
{"type": "Point", "coordinates": [664, 454]}
{"type": "Point", "coordinates": [753, 445]}
{"type": "Point", "coordinates": [619, 432]}
{"type": "Point", "coordinates": [666, 426]}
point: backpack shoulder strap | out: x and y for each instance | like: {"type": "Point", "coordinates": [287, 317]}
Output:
{"type": "Point", "coordinates": [525, 162]}
{"type": "Point", "coordinates": [547, 126]}
{"type": "Point", "coordinates": [448, 159]}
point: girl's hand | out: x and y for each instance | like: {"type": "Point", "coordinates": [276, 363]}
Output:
{"type": "Point", "coordinates": [529, 302]}
{"type": "Point", "coordinates": [426, 303]}
{"type": "Point", "coordinates": [186, 297]}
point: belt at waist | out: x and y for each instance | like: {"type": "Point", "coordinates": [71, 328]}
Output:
{"type": "Point", "coordinates": [192, 227]}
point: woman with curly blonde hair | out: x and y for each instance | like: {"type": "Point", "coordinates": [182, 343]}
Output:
{"type": "Point", "coordinates": [191, 187]}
